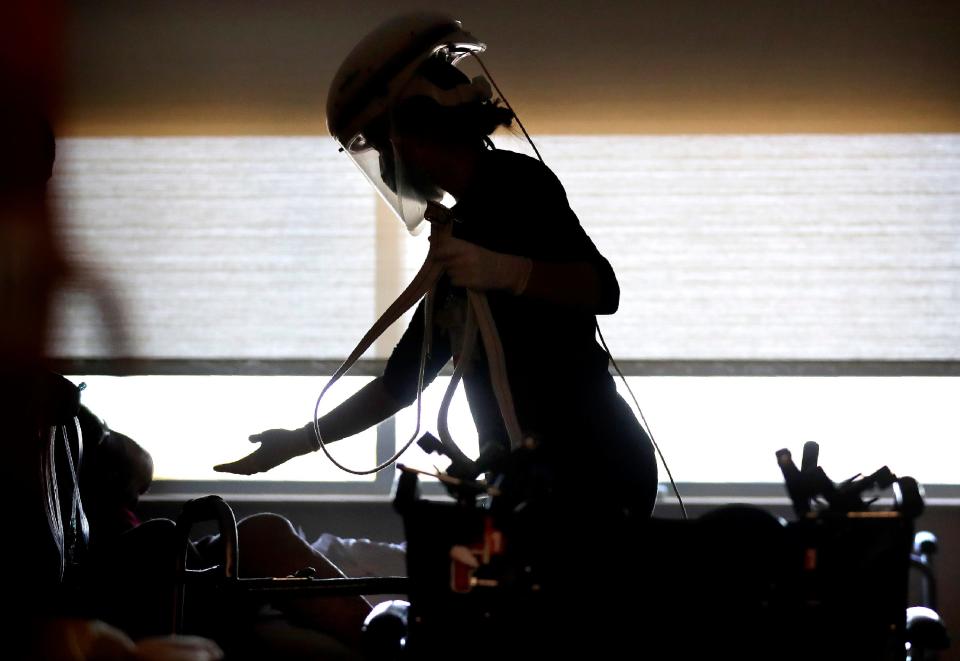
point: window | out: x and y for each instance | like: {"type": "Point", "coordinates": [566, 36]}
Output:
{"type": "Point", "coordinates": [740, 258]}
{"type": "Point", "coordinates": [191, 423]}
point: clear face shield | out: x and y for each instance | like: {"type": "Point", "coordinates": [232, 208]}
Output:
{"type": "Point", "coordinates": [401, 185]}
{"type": "Point", "coordinates": [423, 56]}
{"type": "Point", "coordinates": [380, 151]}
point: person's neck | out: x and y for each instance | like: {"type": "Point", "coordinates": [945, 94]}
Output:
{"type": "Point", "coordinates": [457, 168]}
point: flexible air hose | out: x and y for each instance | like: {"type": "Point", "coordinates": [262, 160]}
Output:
{"type": "Point", "coordinates": [479, 318]}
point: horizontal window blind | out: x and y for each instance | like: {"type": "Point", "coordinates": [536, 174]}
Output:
{"type": "Point", "coordinates": [218, 247]}
{"type": "Point", "coordinates": [806, 247]}
{"type": "Point", "coordinates": [813, 247]}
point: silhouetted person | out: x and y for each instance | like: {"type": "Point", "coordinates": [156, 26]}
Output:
{"type": "Point", "coordinates": [514, 237]}
{"type": "Point", "coordinates": [419, 128]}
{"type": "Point", "coordinates": [116, 472]}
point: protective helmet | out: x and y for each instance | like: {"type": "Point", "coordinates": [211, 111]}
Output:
{"type": "Point", "coordinates": [407, 57]}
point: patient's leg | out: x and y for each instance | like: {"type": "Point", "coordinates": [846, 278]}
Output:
{"type": "Point", "coordinates": [269, 546]}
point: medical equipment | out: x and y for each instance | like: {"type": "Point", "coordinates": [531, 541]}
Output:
{"type": "Point", "coordinates": [811, 490]}
{"type": "Point", "coordinates": [737, 581]}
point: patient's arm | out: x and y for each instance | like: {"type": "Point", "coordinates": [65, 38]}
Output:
{"type": "Point", "coordinates": [271, 547]}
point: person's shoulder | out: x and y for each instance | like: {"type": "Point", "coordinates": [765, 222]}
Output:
{"type": "Point", "coordinates": [523, 170]}
{"type": "Point", "coordinates": [512, 160]}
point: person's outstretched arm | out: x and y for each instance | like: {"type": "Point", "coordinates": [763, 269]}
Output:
{"type": "Point", "coordinates": [369, 406]}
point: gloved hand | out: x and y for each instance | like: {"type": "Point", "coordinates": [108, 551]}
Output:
{"type": "Point", "coordinates": [475, 267]}
{"type": "Point", "coordinates": [276, 447]}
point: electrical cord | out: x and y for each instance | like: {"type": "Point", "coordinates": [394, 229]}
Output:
{"type": "Point", "coordinates": [643, 418]}
{"type": "Point", "coordinates": [510, 108]}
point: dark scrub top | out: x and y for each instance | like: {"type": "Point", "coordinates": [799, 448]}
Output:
{"type": "Point", "coordinates": [563, 393]}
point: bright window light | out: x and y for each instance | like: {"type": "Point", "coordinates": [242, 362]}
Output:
{"type": "Point", "coordinates": [191, 423]}
{"type": "Point", "coordinates": [711, 429]}
{"type": "Point", "coordinates": [727, 429]}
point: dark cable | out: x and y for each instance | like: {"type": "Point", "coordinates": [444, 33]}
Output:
{"type": "Point", "coordinates": [649, 431]}
{"type": "Point", "coordinates": [509, 107]}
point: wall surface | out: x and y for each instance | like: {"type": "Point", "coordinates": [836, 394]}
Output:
{"type": "Point", "coordinates": [685, 66]}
